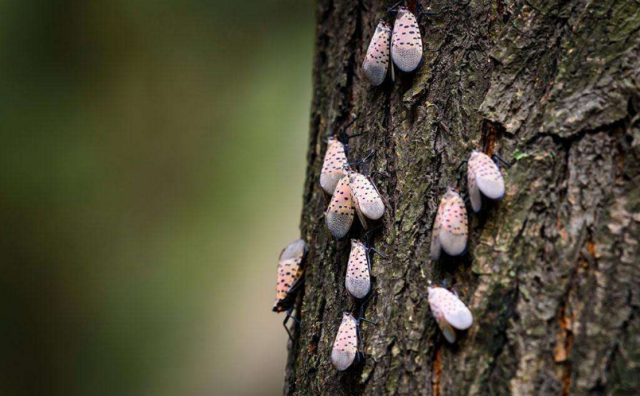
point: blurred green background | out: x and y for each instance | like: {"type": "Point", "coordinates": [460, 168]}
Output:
{"type": "Point", "coordinates": [151, 170]}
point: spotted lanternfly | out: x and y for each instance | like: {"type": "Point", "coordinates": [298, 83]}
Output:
{"type": "Point", "coordinates": [339, 215]}
{"type": "Point", "coordinates": [376, 62]}
{"type": "Point", "coordinates": [449, 312]}
{"type": "Point", "coordinates": [289, 272]}
{"type": "Point", "coordinates": [358, 280]}
{"type": "Point", "coordinates": [366, 198]}
{"type": "Point", "coordinates": [406, 43]}
{"type": "Point", "coordinates": [333, 168]}
{"type": "Point", "coordinates": [451, 227]}
{"type": "Point", "coordinates": [345, 347]}
{"type": "Point", "coordinates": [483, 176]}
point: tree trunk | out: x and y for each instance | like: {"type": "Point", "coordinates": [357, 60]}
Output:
{"type": "Point", "coordinates": [553, 270]}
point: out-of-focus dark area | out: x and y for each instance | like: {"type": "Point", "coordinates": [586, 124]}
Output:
{"type": "Point", "coordinates": [151, 170]}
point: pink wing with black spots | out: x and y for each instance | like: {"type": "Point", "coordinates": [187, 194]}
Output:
{"type": "Point", "coordinates": [406, 42]}
{"type": "Point", "coordinates": [333, 168]}
{"type": "Point", "coordinates": [365, 196]}
{"type": "Point", "coordinates": [376, 62]}
{"type": "Point", "coordinates": [449, 311]}
{"type": "Point", "coordinates": [345, 346]}
{"type": "Point", "coordinates": [339, 215]}
{"type": "Point", "coordinates": [454, 227]}
{"type": "Point", "coordinates": [289, 270]}
{"type": "Point", "coordinates": [451, 227]}
{"type": "Point", "coordinates": [358, 279]}
{"type": "Point", "coordinates": [483, 176]}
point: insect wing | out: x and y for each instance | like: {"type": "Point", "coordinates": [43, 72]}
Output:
{"type": "Point", "coordinates": [345, 346]}
{"type": "Point", "coordinates": [333, 167]}
{"type": "Point", "coordinates": [339, 216]}
{"type": "Point", "coordinates": [358, 279]}
{"type": "Point", "coordinates": [289, 271]}
{"type": "Point", "coordinates": [406, 43]}
{"type": "Point", "coordinates": [449, 312]}
{"type": "Point", "coordinates": [448, 331]}
{"type": "Point", "coordinates": [436, 305]}
{"type": "Point", "coordinates": [474, 192]}
{"type": "Point", "coordinates": [488, 177]}
{"type": "Point", "coordinates": [449, 307]}
{"type": "Point", "coordinates": [454, 226]}
{"type": "Point", "coordinates": [366, 196]}
{"type": "Point", "coordinates": [294, 250]}
{"type": "Point", "coordinates": [376, 62]}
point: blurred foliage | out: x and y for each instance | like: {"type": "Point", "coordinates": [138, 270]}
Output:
{"type": "Point", "coordinates": [151, 170]}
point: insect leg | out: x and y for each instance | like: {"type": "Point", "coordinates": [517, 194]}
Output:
{"type": "Point", "coordinates": [369, 321]}
{"type": "Point", "coordinates": [362, 308]}
{"type": "Point", "coordinates": [379, 173]}
{"type": "Point", "coordinates": [367, 234]}
{"type": "Point", "coordinates": [378, 253]}
{"type": "Point", "coordinates": [356, 135]}
{"type": "Point", "coordinates": [465, 198]}
{"type": "Point", "coordinates": [497, 158]}
{"type": "Point", "coordinates": [360, 353]}
{"type": "Point", "coordinates": [298, 322]}
{"type": "Point", "coordinates": [463, 162]}
{"type": "Point", "coordinates": [343, 137]}
{"type": "Point", "coordinates": [286, 320]}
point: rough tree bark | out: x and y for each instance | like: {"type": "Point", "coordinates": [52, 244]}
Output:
{"type": "Point", "coordinates": [553, 270]}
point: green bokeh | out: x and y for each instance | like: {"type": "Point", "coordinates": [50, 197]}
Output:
{"type": "Point", "coordinates": [151, 170]}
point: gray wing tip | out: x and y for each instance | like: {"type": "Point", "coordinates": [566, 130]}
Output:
{"type": "Point", "coordinates": [338, 225]}
{"type": "Point", "coordinates": [435, 254]}
{"type": "Point", "coordinates": [375, 75]}
{"type": "Point", "coordinates": [293, 250]}
{"type": "Point", "coordinates": [358, 288]}
{"type": "Point", "coordinates": [329, 183]}
{"type": "Point", "coordinates": [341, 360]}
{"type": "Point", "coordinates": [373, 211]}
